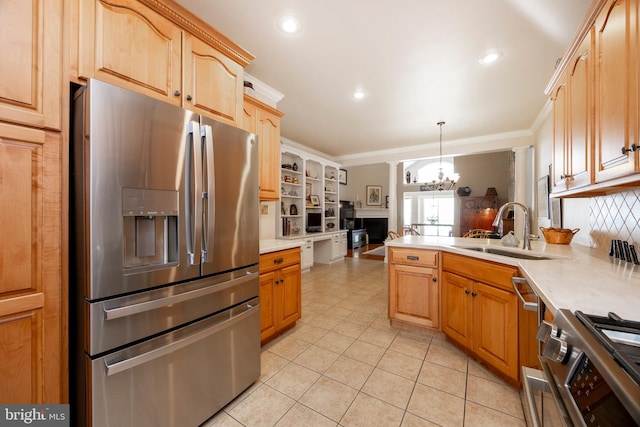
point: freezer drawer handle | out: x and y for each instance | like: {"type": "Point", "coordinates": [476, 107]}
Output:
{"type": "Point", "coordinates": [128, 310]}
{"type": "Point", "coordinates": [126, 364]}
{"type": "Point", "coordinates": [527, 305]}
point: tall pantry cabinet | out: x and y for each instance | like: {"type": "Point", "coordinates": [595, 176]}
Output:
{"type": "Point", "coordinates": [32, 297]}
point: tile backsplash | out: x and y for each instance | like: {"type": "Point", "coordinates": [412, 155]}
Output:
{"type": "Point", "coordinates": [615, 216]}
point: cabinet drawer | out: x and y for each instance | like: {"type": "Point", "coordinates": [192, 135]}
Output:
{"type": "Point", "coordinates": [484, 271]}
{"type": "Point", "coordinates": [419, 257]}
{"type": "Point", "coordinates": [274, 260]}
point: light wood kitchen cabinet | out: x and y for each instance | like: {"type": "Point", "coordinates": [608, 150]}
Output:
{"type": "Point", "coordinates": [480, 311]}
{"type": "Point", "coordinates": [32, 327]}
{"type": "Point", "coordinates": [30, 69]}
{"type": "Point", "coordinates": [155, 51]}
{"type": "Point", "coordinates": [414, 297]}
{"type": "Point", "coordinates": [280, 292]}
{"type": "Point", "coordinates": [264, 121]}
{"type": "Point", "coordinates": [573, 122]}
{"type": "Point", "coordinates": [616, 43]}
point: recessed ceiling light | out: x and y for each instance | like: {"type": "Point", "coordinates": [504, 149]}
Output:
{"type": "Point", "coordinates": [290, 24]}
{"type": "Point", "coordinates": [358, 94]}
{"type": "Point", "coordinates": [490, 57]}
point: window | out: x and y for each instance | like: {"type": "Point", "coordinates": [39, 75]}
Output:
{"type": "Point", "coordinates": [430, 212]}
{"type": "Point", "coordinates": [426, 170]}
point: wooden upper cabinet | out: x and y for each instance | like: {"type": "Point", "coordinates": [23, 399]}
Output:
{"type": "Point", "coordinates": [573, 121]}
{"type": "Point", "coordinates": [213, 83]}
{"type": "Point", "coordinates": [160, 49]}
{"type": "Point", "coordinates": [580, 83]}
{"type": "Point", "coordinates": [126, 43]}
{"type": "Point", "coordinates": [264, 121]}
{"type": "Point", "coordinates": [559, 101]}
{"type": "Point", "coordinates": [30, 69]}
{"type": "Point", "coordinates": [616, 42]}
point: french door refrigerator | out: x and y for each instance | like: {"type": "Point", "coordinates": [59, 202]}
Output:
{"type": "Point", "coordinates": [164, 253]}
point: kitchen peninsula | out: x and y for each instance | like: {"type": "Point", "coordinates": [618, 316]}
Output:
{"type": "Point", "coordinates": [463, 287]}
{"type": "Point", "coordinates": [575, 277]}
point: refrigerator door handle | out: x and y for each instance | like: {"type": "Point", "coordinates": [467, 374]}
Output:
{"type": "Point", "coordinates": [129, 310]}
{"type": "Point", "coordinates": [193, 183]}
{"type": "Point", "coordinates": [132, 362]}
{"type": "Point", "coordinates": [208, 194]}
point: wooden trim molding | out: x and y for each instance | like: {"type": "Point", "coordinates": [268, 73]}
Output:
{"type": "Point", "coordinates": [581, 33]}
{"type": "Point", "coordinates": [194, 25]}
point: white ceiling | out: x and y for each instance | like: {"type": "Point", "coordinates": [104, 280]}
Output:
{"type": "Point", "coordinates": [416, 60]}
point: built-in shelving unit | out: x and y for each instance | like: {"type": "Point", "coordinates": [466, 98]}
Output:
{"type": "Point", "coordinates": [308, 184]}
{"type": "Point", "coordinates": [292, 195]}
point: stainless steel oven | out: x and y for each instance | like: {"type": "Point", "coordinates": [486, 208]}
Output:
{"type": "Point", "coordinates": [590, 372]}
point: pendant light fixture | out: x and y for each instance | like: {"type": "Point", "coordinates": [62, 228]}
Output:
{"type": "Point", "coordinates": [441, 182]}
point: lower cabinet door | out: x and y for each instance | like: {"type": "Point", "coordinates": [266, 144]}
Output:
{"type": "Point", "coordinates": [413, 295]}
{"type": "Point", "coordinates": [267, 306]}
{"type": "Point", "coordinates": [495, 328]}
{"type": "Point", "coordinates": [456, 308]}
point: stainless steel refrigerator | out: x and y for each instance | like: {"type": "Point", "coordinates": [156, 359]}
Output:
{"type": "Point", "coordinates": [164, 252]}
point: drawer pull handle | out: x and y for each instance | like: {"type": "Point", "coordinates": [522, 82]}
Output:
{"type": "Point", "coordinates": [278, 260]}
{"type": "Point", "coordinates": [413, 258]}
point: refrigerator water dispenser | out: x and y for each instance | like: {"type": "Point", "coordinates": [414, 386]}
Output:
{"type": "Point", "coordinates": [150, 226]}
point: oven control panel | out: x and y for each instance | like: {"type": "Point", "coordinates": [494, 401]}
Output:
{"type": "Point", "coordinates": [595, 400]}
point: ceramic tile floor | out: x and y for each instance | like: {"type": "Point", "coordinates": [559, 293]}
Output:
{"type": "Point", "coordinates": [343, 365]}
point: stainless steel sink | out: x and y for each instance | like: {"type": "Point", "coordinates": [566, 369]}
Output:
{"type": "Point", "coordinates": [504, 252]}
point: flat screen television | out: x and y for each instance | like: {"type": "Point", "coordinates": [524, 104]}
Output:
{"type": "Point", "coordinates": [314, 222]}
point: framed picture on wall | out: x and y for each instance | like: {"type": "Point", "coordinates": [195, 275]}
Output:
{"type": "Point", "coordinates": [342, 176]}
{"type": "Point", "coordinates": [543, 197]}
{"type": "Point", "coordinates": [374, 195]}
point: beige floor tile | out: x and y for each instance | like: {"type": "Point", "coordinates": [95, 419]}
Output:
{"type": "Point", "coordinates": [411, 420]}
{"type": "Point", "coordinates": [481, 416]}
{"type": "Point", "coordinates": [307, 333]}
{"type": "Point", "coordinates": [363, 318]}
{"type": "Point", "coordinates": [447, 355]}
{"type": "Point", "coordinates": [494, 395]}
{"type": "Point", "coordinates": [316, 307]}
{"type": "Point", "coordinates": [436, 406]}
{"type": "Point", "coordinates": [378, 337]}
{"type": "Point", "coordinates": [339, 312]}
{"type": "Point", "coordinates": [264, 407]}
{"type": "Point", "coordinates": [317, 358]}
{"type": "Point", "coordinates": [293, 380]}
{"type": "Point", "coordinates": [324, 321]}
{"type": "Point", "coordinates": [300, 415]}
{"type": "Point", "coordinates": [222, 419]}
{"type": "Point", "coordinates": [289, 347]}
{"type": "Point", "coordinates": [365, 352]}
{"type": "Point", "coordinates": [443, 378]}
{"type": "Point", "coordinates": [335, 342]}
{"type": "Point", "coordinates": [410, 346]}
{"type": "Point", "coordinates": [477, 370]}
{"type": "Point", "coordinates": [367, 411]}
{"type": "Point", "coordinates": [350, 372]}
{"type": "Point", "coordinates": [389, 387]}
{"type": "Point", "coordinates": [349, 328]}
{"type": "Point", "coordinates": [270, 363]}
{"type": "Point", "coordinates": [382, 323]}
{"type": "Point", "coordinates": [401, 364]}
{"type": "Point", "coordinates": [329, 397]}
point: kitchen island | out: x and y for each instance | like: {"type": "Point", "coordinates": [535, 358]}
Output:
{"type": "Point", "coordinates": [574, 277]}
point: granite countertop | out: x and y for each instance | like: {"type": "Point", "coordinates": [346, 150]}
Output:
{"type": "Point", "coordinates": [575, 278]}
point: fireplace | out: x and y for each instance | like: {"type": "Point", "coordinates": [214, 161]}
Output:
{"type": "Point", "coordinates": [376, 228]}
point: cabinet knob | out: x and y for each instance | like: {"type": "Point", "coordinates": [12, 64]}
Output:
{"type": "Point", "coordinates": [625, 150]}
{"type": "Point", "coordinates": [467, 291]}
{"type": "Point", "coordinates": [189, 98]}
{"type": "Point", "coordinates": [176, 93]}
{"type": "Point", "coordinates": [473, 294]}
{"type": "Point", "coordinates": [434, 279]}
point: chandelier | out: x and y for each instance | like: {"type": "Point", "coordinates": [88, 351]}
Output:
{"type": "Point", "coordinates": [442, 182]}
